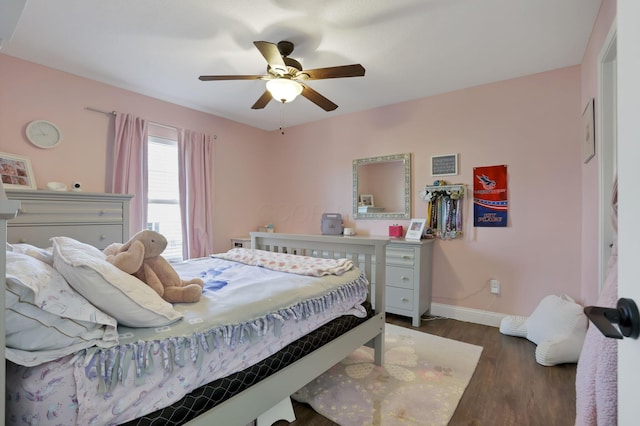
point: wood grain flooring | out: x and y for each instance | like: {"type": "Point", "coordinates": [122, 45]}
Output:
{"type": "Point", "coordinates": [507, 388]}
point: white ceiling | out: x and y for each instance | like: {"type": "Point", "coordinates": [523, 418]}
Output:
{"type": "Point", "coordinates": [409, 48]}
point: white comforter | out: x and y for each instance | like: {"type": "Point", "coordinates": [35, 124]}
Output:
{"type": "Point", "coordinates": [246, 315]}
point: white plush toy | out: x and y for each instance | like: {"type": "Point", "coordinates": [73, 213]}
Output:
{"type": "Point", "coordinates": [558, 326]}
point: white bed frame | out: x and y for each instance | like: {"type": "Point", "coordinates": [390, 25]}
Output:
{"type": "Point", "coordinates": [368, 253]}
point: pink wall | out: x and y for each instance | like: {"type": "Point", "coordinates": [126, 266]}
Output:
{"type": "Point", "coordinates": [29, 91]}
{"type": "Point", "coordinates": [590, 178]}
{"type": "Point", "coordinates": [531, 124]}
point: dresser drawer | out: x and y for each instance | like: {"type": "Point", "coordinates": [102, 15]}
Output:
{"type": "Point", "coordinates": [47, 211]}
{"type": "Point", "coordinates": [400, 256]}
{"type": "Point", "coordinates": [99, 236]}
{"type": "Point", "coordinates": [399, 276]}
{"type": "Point", "coordinates": [399, 298]}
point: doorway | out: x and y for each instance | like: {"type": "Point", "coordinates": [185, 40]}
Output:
{"type": "Point", "coordinates": [607, 147]}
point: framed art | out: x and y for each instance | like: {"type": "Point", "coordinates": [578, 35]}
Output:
{"type": "Point", "coordinates": [415, 229]}
{"type": "Point", "coordinates": [588, 132]}
{"type": "Point", "coordinates": [444, 165]}
{"type": "Point", "coordinates": [366, 200]}
{"type": "Point", "coordinates": [16, 172]}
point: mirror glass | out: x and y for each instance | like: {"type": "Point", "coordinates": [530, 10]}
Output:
{"type": "Point", "coordinates": [382, 187]}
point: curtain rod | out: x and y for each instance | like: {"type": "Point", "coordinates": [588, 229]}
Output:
{"type": "Point", "coordinates": [114, 113]}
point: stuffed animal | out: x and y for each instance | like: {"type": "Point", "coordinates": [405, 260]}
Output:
{"type": "Point", "coordinates": [140, 256]}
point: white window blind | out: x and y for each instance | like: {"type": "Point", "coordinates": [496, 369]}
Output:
{"type": "Point", "coordinates": [164, 195]}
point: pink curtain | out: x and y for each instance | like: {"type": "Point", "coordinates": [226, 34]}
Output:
{"type": "Point", "coordinates": [195, 167]}
{"type": "Point", "coordinates": [130, 166]}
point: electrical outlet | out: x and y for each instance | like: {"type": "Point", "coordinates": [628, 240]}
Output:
{"type": "Point", "coordinates": [494, 286]}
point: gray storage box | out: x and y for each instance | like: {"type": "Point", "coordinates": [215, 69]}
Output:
{"type": "Point", "coordinates": [331, 224]}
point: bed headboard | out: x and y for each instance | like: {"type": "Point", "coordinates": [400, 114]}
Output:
{"type": "Point", "coordinates": [368, 253]}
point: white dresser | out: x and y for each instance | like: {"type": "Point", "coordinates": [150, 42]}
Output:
{"type": "Point", "coordinates": [95, 219]}
{"type": "Point", "coordinates": [408, 278]}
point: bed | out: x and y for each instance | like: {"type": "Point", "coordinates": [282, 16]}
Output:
{"type": "Point", "coordinates": [251, 402]}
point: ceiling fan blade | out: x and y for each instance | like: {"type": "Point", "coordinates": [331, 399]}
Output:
{"type": "Point", "coordinates": [272, 55]}
{"type": "Point", "coordinates": [355, 70]}
{"type": "Point", "coordinates": [262, 101]}
{"type": "Point", "coordinates": [317, 98]}
{"type": "Point", "coordinates": [232, 77]}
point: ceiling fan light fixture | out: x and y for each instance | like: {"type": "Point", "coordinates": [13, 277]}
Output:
{"type": "Point", "coordinates": [284, 89]}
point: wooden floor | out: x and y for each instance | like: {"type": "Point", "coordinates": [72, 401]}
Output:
{"type": "Point", "coordinates": [507, 388]}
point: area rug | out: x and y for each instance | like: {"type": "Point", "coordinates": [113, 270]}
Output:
{"type": "Point", "coordinates": [421, 382]}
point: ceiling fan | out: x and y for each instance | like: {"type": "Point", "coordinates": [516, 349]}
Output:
{"type": "Point", "coordinates": [285, 76]}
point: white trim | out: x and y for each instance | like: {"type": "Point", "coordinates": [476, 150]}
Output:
{"type": "Point", "coordinates": [165, 141]}
{"type": "Point", "coordinates": [606, 150]}
{"type": "Point", "coordinates": [476, 316]}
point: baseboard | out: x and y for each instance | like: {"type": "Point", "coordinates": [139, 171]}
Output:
{"type": "Point", "coordinates": [467, 314]}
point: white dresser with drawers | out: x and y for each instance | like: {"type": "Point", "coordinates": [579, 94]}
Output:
{"type": "Point", "coordinates": [93, 218]}
{"type": "Point", "coordinates": [408, 278]}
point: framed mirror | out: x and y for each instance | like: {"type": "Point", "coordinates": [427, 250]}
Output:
{"type": "Point", "coordinates": [382, 187]}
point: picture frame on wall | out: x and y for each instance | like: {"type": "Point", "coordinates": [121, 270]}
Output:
{"type": "Point", "coordinates": [444, 165]}
{"type": "Point", "coordinates": [588, 132]}
{"type": "Point", "coordinates": [366, 200]}
{"type": "Point", "coordinates": [415, 229]}
{"type": "Point", "coordinates": [16, 172]}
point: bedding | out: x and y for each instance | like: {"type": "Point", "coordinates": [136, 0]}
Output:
{"type": "Point", "coordinates": [246, 314]}
{"type": "Point", "coordinates": [130, 301]}
{"type": "Point", "coordinates": [44, 255]}
{"type": "Point", "coordinates": [45, 318]}
{"type": "Point", "coordinates": [304, 265]}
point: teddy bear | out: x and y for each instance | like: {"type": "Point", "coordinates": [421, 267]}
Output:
{"type": "Point", "coordinates": [140, 256]}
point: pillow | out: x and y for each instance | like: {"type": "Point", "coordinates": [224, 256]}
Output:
{"type": "Point", "coordinates": [514, 325]}
{"type": "Point", "coordinates": [45, 318]}
{"type": "Point", "coordinates": [558, 326]}
{"type": "Point", "coordinates": [554, 318]}
{"type": "Point", "coordinates": [44, 255]}
{"type": "Point", "coordinates": [130, 301]}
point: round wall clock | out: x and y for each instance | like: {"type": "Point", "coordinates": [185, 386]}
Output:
{"type": "Point", "coordinates": [43, 134]}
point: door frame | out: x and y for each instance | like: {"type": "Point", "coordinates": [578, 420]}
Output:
{"type": "Point", "coordinates": [606, 119]}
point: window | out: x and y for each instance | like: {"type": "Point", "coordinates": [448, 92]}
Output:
{"type": "Point", "coordinates": [164, 195]}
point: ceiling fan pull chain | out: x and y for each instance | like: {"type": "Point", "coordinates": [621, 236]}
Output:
{"type": "Point", "coordinates": [282, 118]}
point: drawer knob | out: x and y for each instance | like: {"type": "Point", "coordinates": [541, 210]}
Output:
{"type": "Point", "coordinates": [103, 237]}
{"type": "Point", "coordinates": [406, 257]}
{"type": "Point", "coordinates": [405, 278]}
{"type": "Point", "coordinates": [404, 300]}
